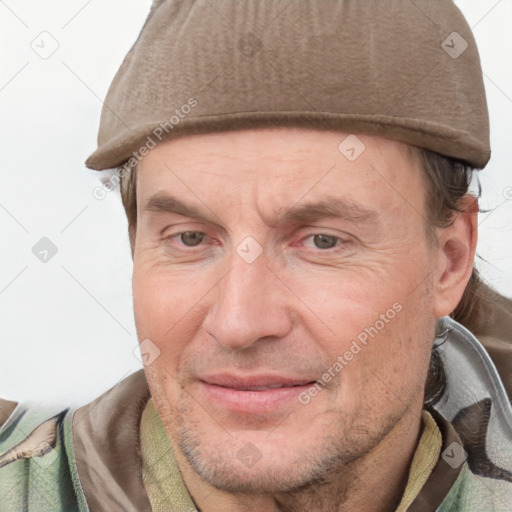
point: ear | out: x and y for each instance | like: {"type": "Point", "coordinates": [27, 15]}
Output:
{"type": "Point", "coordinates": [456, 253]}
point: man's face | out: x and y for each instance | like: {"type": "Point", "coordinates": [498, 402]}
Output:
{"type": "Point", "coordinates": [277, 264]}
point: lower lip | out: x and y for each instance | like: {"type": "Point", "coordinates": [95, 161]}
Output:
{"type": "Point", "coordinates": [252, 402]}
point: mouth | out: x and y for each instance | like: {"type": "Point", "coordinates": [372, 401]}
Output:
{"type": "Point", "coordinates": [265, 388]}
{"type": "Point", "coordinates": [255, 394]}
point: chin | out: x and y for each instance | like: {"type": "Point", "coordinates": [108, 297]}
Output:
{"type": "Point", "coordinates": [263, 462]}
{"type": "Point", "coordinates": [222, 466]}
{"type": "Point", "coordinates": [292, 456]}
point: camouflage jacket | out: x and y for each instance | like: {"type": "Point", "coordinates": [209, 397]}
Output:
{"type": "Point", "coordinates": [89, 458]}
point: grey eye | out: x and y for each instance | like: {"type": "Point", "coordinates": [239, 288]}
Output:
{"type": "Point", "coordinates": [192, 238]}
{"type": "Point", "coordinates": [325, 241]}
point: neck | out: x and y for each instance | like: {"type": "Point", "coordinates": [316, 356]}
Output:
{"type": "Point", "coordinates": [373, 482]}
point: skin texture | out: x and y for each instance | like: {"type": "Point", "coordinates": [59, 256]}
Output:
{"type": "Point", "coordinates": [291, 313]}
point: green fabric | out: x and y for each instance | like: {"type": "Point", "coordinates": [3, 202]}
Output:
{"type": "Point", "coordinates": [476, 405]}
{"type": "Point", "coordinates": [471, 493]}
{"type": "Point", "coordinates": [50, 483]}
{"type": "Point", "coordinates": [424, 459]}
{"type": "Point", "coordinates": [160, 472]}
{"type": "Point", "coordinates": [68, 444]}
{"type": "Point", "coordinates": [38, 484]}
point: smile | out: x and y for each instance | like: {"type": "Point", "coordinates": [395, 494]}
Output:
{"type": "Point", "coordinates": [253, 394]}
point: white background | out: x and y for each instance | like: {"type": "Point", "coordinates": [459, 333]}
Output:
{"type": "Point", "coordinates": [68, 332]}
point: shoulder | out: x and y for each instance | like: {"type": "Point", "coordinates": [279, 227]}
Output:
{"type": "Point", "coordinates": [492, 325]}
{"type": "Point", "coordinates": [106, 441]}
{"type": "Point", "coordinates": [50, 456]}
{"type": "Point", "coordinates": [475, 403]}
{"type": "Point", "coordinates": [32, 451]}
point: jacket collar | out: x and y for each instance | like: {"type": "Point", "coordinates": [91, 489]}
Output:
{"type": "Point", "coordinates": [106, 445]}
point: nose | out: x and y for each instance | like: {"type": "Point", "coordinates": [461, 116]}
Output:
{"type": "Point", "coordinates": [249, 305]}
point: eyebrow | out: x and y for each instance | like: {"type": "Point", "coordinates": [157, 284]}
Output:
{"type": "Point", "coordinates": [330, 207]}
{"type": "Point", "coordinates": [161, 203]}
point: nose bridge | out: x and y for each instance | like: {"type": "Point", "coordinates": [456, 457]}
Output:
{"type": "Point", "coordinates": [248, 304]}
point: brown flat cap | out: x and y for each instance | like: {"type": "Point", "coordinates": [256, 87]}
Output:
{"type": "Point", "coordinates": [405, 69]}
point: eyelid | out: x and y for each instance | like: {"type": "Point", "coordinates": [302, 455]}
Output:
{"type": "Point", "coordinates": [178, 225]}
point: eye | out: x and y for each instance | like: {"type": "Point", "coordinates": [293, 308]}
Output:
{"type": "Point", "coordinates": [191, 238]}
{"type": "Point", "coordinates": [325, 241]}
{"type": "Point", "coordinates": [322, 241]}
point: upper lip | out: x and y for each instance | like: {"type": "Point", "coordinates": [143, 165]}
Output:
{"type": "Point", "coordinates": [255, 381]}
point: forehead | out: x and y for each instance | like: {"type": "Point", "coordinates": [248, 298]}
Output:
{"type": "Point", "coordinates": [272, 168]}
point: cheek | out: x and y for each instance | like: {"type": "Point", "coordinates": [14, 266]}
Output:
{"type": "Point", "coordinates": [381, 325]}
{"type": "Point", "coordinates": [165, 390]}
{"type": "Point", "coordinates": [345, 303]}
{"type": "Point", "coordinates": [166, 310]}
{"type": "Point", "coordinates": [398, 357]}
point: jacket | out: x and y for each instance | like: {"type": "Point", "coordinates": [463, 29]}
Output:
{"type": "Point", "coordinates": [89, 459]}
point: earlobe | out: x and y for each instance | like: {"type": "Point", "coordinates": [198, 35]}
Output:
{"type": "Point", "coordinates": [456, 253]}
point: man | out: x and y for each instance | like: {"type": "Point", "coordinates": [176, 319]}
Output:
{"type": "Point", "coordinates": [296, 184]}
